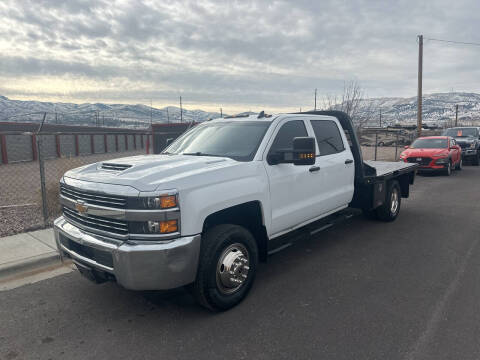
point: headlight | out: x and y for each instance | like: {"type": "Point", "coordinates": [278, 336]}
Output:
{"type": "Point", "coordinates": [442, 161]}
{"type": "Point", "coordinates": [160, 202]}
{"type": "Point", "coordinates": [167, 200]}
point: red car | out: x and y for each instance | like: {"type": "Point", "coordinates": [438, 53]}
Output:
{"type": "Point", "coordinates": [434, 153]}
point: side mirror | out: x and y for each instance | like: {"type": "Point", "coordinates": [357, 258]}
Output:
{"type": "Point", "coordinates": [406, 146]}
{"type": "Point", "coordinates": [304, 151]}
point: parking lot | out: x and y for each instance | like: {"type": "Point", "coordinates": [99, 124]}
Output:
{"type": "Point", "coordinates": [361, 290]}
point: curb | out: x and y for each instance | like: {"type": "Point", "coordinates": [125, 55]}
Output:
{"type": "Point", "coordinates": [31, 264]}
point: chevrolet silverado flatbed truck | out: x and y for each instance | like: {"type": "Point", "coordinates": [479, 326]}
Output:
{"type": "Point", "coordinates": [218, 200]}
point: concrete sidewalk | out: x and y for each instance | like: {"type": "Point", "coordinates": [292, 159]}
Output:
{"type": "Point", "coordinates": [27, 251]}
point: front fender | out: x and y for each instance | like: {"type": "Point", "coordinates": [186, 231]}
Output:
{"type": "Point", "coordinates": [198, 203]}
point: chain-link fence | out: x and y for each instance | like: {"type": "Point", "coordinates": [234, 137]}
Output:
{"type": "Point", "coordinates": [31, 166]}
{"type": "Point", "coordinates": [387, 144]}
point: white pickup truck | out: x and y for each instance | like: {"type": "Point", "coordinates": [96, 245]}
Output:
{"type": "Point", "coordinates": [218, 200]}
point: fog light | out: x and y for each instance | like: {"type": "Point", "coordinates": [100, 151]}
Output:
{"type": "Point", "coordinates": [163, 227]}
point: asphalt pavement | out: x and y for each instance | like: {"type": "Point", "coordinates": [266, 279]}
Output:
{"type": "Point", "coordinates": [361, 290]}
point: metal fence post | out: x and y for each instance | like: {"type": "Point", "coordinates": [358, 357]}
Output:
{"type": "Point", "coordinates": [376, 144]}
{"type": "Point", "coordinates": [41, 166]}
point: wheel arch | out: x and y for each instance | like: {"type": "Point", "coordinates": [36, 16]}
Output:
{"type": "Point", "coordinates": [250, 215]}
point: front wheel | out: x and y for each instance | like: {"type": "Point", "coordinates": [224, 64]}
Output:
{"type": "Point", "coordinates": [227, 269]}
{"type": "Point", "coordinates": [448, 169]}
{"type": "Point", "coordinates": [391, 208]}
{"type": "Point", "coordinates": [459, 165]}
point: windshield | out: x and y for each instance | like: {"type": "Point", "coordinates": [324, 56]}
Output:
{"type": "Point", "coordinates": [461, 132]}
{"type": "Point", "coordinates": [238, 140]}
{"type": "Point", "coordinates": [429, 144]}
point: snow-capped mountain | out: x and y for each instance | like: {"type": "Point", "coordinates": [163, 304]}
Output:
{"type": "Point", "coordinates": [438, 109]}
{"type": "Point", "coordinates": [96, 114]}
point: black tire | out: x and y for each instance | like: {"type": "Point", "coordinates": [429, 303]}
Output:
{"type": "Point", "coordinates": [208, 288]}
{"type": "Point", "coordinates": [387, 212]}
{"type": "Point", "coordinates": [459, 165]}
{"type": "Point", "coordinates": [475, 160]}
{"type": "Point", "coordinates": [448, 169]}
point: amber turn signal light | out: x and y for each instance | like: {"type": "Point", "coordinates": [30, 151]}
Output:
{"type": "Point", "coordinates": [168, 201]}
{"type": "Point", "coordinates": [169, 226]}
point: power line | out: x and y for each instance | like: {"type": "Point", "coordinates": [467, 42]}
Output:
{"type": "Point", "coordinates": [454, 42]}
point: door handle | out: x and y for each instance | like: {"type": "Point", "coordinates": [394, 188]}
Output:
{"type": "Point", "coordinates": [314, 168]}
{"type": "Point", "coordinates": [348, 161]}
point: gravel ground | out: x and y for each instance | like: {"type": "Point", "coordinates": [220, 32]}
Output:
{"type": "Point", "coordinates": [20, 194]}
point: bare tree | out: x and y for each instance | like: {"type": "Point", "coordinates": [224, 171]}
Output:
{"type": "Point", "coordinates": [351, 102]}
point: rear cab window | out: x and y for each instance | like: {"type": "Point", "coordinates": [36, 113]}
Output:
{"type": "Point", "coordinates": [329, 138]}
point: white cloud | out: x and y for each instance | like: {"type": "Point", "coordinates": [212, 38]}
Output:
{"type": "Point", "coordinates": [249, 53]}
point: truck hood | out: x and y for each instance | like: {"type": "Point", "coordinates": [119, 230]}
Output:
{"type": "Point", "coordinates": [150, 172]}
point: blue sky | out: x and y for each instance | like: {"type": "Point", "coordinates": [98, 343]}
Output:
{"type": "Point", "coordinates": [239, 55]}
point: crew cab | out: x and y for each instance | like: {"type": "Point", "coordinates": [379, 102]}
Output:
{"type": "Point", "coordinates": [218, 200]}
{"type": "Point", "coordinates": [468, 138]}
{"type": "Point", "coordinates": [434, 153]}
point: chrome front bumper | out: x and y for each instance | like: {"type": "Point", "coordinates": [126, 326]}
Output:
{"type": "Point", "coordinates": [155, 266]}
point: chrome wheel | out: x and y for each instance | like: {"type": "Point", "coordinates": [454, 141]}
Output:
{"type": "Point", "coordinates": [232, 268]}
{"type": "Point", "coordinates": [394, 203]}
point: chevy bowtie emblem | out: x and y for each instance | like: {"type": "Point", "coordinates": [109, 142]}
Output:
{"type": "Point", "coordinates": [81, 208]}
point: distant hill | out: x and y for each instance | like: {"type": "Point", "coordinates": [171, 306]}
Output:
{"type": "Point", "coordinates": [437, 109]}
{"type": "Point", "coordinates": [124, 115]}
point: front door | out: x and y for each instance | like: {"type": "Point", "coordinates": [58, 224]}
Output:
{"type": "Point", "coordinates": [291, 186]}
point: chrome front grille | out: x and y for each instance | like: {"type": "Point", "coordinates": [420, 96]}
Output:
{"type": "Point", "coordinates": [93, 198]}
{"type": "Point", "coordinates": [96, 223]}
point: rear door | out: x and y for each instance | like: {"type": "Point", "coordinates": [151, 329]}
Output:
{"type": "Point", "coordinates": [335, 183]}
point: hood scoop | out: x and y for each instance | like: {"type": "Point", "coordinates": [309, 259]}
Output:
{"type": "Point", "coordinates": [115, 167]}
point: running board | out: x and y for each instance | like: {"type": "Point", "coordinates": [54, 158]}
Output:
{"type": "Point", "coordinates": [282, 242]}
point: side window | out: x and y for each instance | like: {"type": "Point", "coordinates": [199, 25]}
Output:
{"type": "Point", "coordinates": [288, 131]}
{"type": "Point", "coordinates": [328, 137]}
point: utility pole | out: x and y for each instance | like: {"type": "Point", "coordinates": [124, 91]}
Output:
{"type": "Point", "coordinates": [380, 117]}
{"type": "Point", "coordinates": [168, 117]}
{"type": "Point", "coordinates": [456, 115]}
{"type": "Point", "coordinates": [181, 112]}
{"type": "Point", "coordinates": [420, 79]}
{"type": "Point", "coordinates": [221, 113]}
{"type": "Point", "coordinates": [151, 112]}
{"type": "Point", "coordinates": [315, 99]}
